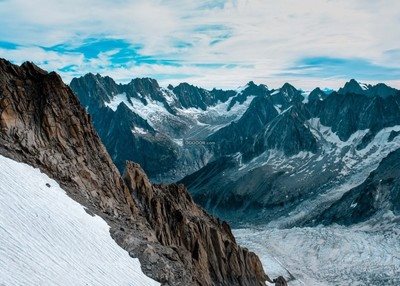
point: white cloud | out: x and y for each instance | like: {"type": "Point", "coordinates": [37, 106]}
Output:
{"type": "Point", "coordinates": [263, 38]}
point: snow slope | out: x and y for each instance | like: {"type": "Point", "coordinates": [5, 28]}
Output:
{"type": "Point", "coordinates": [46, 238]}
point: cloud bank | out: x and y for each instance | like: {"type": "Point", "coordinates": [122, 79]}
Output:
{"type": "Point", "coordinates": [208, 43]}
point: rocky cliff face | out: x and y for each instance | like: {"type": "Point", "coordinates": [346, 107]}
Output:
{"type": "Point", "coordinates": [126, 134]}
{"type": "Point", "coordinates": [286, 95]}
{"type": "Point", "coordinates": [300, 156]}
{"type": "Point", "coordinates": [192, 96]}
{"type": "Point", "coordinates": [347, 113]}
{"type": "Point", "coordinates": [379, 90]}
{"type": "Point", "coordinates": [287, 132]}
{"type": "Point", "coordinates": [211, 253]}
{"type": "Point", "coordinates": [43, 124]}
{"type": "Point", "coordinates": [237, 135]}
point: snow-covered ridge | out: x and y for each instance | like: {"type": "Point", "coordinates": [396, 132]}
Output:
{"type": "Point", "coordinates": [156, 114]}
{"type": "Point", "coordinates": [46, 238]}
{"type": "Point", "coordinates": [363, 86]}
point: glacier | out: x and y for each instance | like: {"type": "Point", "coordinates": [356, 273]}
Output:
{"type": "Point", "coordinates": [46, 238]}
{"type": "Point", "coordinates": [364, 254]}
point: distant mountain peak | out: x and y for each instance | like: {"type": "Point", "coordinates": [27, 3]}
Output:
{"type": "Point", "coordinates": [351, 86]}
{"type": "Point", "coordinates": [185, 85]}
{"type": "Point", "coordinates": [317, 94]}
{"type": "Point", "coordinates": [380, 89]}
{"type": "Point", "coordinates": [145, 83]}
{"type": "Point", "coordinates": [287, 86]}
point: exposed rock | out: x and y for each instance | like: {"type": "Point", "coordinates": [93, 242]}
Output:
{"type": "Point", "coordinates": [347, 113]}
{"type": "Point", "coordinates": [251, 90]}
{"type": "Point", "coordinates": [289, 133]}
{"type": "Point", "coordinates": [193, 96]}
{"type": "Point", "coordinates": [393, 135]}
{"type": "Point", "coordinates": [286, 95]}
{"type": "Point", "coordinates": [204, 243]}
{"type": "Point", "coordinates": [351, 87]}
{"type": "Point", "coordinates": [379, 90]}
{"type": "Point", "coordinates": [127, 135]}
{"type": "Point", "coordinates": [280, 281]}
{"type": "Point", "coordinates": [234, 137]}
{"type": "Point", "coordinates": [317, 94]}
{"type": "Point", "coordinates": [43, 124]}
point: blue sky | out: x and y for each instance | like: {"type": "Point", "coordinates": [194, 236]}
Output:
{"type": "Point", "coordinates": [216, 43]}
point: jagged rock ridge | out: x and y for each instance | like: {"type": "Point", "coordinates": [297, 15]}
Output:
{"type": "Point", "coordinates": [286, 165]}
{"type": "Point", "coordinates": [43, 124]}
{"type": "Point", "coordinates": [174, 114]}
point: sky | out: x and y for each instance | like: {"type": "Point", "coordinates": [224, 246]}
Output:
{"type": "Point", "coordinates": [218, 43]}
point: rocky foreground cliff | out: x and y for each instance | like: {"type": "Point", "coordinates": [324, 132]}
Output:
{"type": "Point", "coordinates": [43, 124]}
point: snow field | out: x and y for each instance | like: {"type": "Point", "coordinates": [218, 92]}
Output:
{"type": "Point", "coordinates": [46, 238]}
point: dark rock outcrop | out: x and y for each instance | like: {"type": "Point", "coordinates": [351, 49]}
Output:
{"type": "Point", "coordinates": [286, 95]}
{"type": "Point", "coordinates": [347, 113]}
{"type": "Point", "coordinates": [43, 124]}
{"type": "Point", "coordinates": [251, 89]}
{"type": "Point", "coordinates": [126, 135]}
{"type": "Point", "coordinates": [288, 132]}
{"type": "Point", "coordinates": [192, 96]}
{"type": "Point", "coordinates": [204, 243]}
{"type": "Point", "coordinates": [236, 135]}
{"type": "Point", "coordinates": [95, 90]}
{"type": "Point", "coordinates": [351, 87]}
{"type": "Point", "coordinates": [317, 94]}
{"type": "Point", "coordinates": [379, 90]}
{"type": "Point", "coordinates": [280, 281]}
{"type": "Point", "coordinates": [380, 192]}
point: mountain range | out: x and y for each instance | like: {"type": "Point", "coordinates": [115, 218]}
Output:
{"type": "Point", "coordinates": [256, 155]}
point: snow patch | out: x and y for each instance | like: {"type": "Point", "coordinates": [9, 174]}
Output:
{"type": "Point", "coordinates": [278, 108]}
{"type": "Point", "coordinates": [240, 89]}
{"type": "Point", "coordinates": [117, 100]}
{"type": "Point", "coordinates": [305, 94]}
{"type": "Point", "coordinates": [139, 130]}
{"type": "Point", "coordinates": [363, 86]}
{"type": "Point", "coordinates": [179, 142]}
{"type": "Point", "coordinates": [275, 92]}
